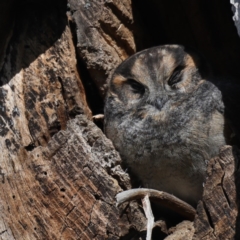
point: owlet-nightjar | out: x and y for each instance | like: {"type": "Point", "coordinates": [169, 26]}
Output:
{"type": "Point", "coordinates": [165, 119]}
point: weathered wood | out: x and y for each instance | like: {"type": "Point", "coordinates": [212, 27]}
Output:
{"type": "Point", "coordinates": [218, 211]}
{"type": "Point", "coordinates": [183, 231]}
{"type": "Point", "coordinates": [67, 189]}
{"type": "Point", "coordinates": [59, 177]}
{"type": "Point", "coordinates": [104, 35]}
{"type": "Point", "coordinates": [40, 83]}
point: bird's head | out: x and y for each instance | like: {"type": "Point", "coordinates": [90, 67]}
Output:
{"type": "Point", "coordinates": [158, 75]}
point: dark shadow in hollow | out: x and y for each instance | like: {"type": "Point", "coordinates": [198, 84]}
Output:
{"type": "Point", "coordinates": [94, 100]}
{"type": "Point", "coordinates": [7, 13]}
{"type": "Point", "coordinates": [38, 25]}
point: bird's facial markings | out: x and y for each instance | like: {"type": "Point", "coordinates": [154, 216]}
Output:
{"type": "Point", "coordinates": [136, 87]}
{"type": "Point", "coordinates": [128, 90]}
{"type": "Point", "coordinates": [176, 76]}
{"type": "Point", "coordinates": [118, 80]}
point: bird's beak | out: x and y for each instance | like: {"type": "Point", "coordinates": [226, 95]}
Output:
{"type": "Point", "coordinates": [160, 102]}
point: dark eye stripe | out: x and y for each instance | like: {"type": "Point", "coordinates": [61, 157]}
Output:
{"type": "Point", "coordinates": [176, 76]}
{"type": "Point", "coordinates": [136, 86]}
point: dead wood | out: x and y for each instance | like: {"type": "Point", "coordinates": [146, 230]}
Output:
{"type": "Point", "coordinates": [218, 211]}
{"type": "Point", "coordinates": [59, 174]}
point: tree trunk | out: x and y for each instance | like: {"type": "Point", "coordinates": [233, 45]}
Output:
{"type": "Point", "coordinates": [59, 174]}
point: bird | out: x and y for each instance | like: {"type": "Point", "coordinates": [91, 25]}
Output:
{"type": "Point", "coordinates": [166, 119]}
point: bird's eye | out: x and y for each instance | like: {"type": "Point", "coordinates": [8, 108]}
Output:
{"type": "Point", "coordinates": [176, 76]}
{"type": "Point", "coordinates": [136, 86]}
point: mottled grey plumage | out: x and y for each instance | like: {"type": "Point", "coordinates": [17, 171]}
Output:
{"type": "Point", "coordinates": [165, 119]}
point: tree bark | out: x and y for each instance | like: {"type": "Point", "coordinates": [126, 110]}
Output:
{"type": "Point", "coordinates": [67, 189]}
{"type": "Point", "coordinates": [59, 174]}
{"type": "Point", "coordinates": [217, 216]}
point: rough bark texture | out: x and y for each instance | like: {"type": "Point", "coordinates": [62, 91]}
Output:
{"type": "Point", "coordinates": [67, 189]}
{"type": "Point", "coordinates": [182, 231]}
{"type": "Point", "coordinates": [59, 174]}
{"type": "Point", "coordinates": [104, 36]}
{"type": "Point", "coordinates": [40, 84]}
{"type": "Point", "coordinates": [218, 211]}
